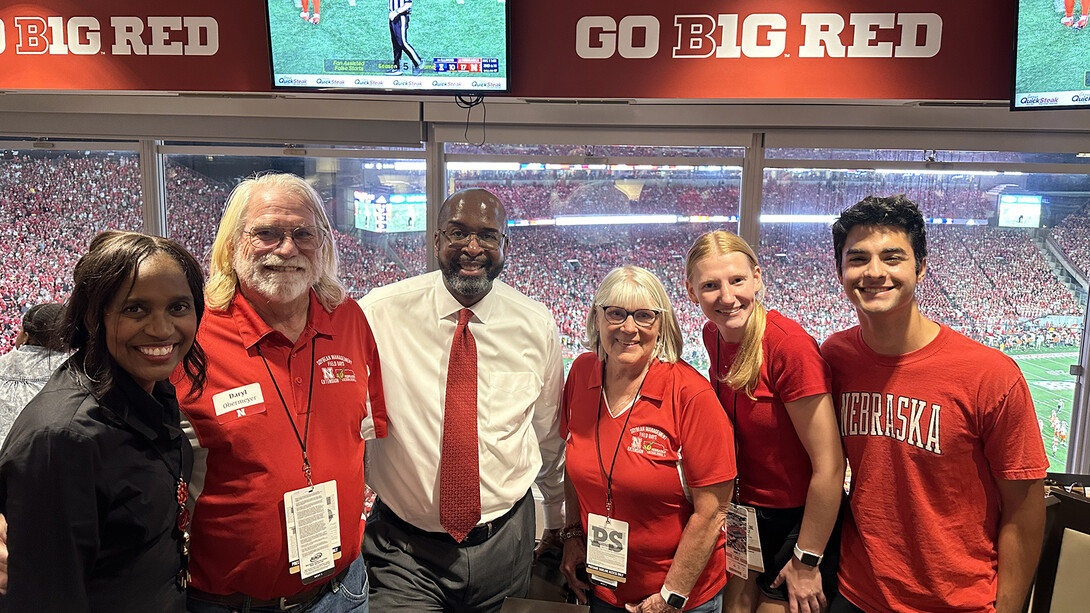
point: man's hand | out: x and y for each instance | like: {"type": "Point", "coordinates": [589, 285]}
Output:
{"type": "Point", "coordinates": [3, 554]}
{"type": "Point", "coordinates": [550, 539]}
{"type": "Point", "coordinates": [393, 15]}
{"type": "Point", "coordinates": [804, 593]}
{"type": "Point", "coordinates": [575, 555]}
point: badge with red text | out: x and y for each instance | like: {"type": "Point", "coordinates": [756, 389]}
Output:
{"type": "Point", "coordinates": [238, 402]}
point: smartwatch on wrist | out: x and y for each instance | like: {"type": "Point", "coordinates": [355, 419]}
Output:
{"type": "Point", "coordinates": [673, 599]}
{"type": "Point", "coordinates": [808, 558]}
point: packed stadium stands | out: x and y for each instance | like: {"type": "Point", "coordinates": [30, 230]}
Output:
{"type": "Point", "coordinates": [991, 283]}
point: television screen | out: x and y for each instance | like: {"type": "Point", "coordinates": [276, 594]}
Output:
{"type": "Point", "coordinates": [390, 213]}
{"type": "Point", "coordinates": [449, 46]}
{"type": "Point", "coordinates": [1051, 63]}
{"type": "Point", "coordinates": [1019, 211]}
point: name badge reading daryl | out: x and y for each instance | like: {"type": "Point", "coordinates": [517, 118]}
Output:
{"type": "Point", "coordinates": [607, 550]}
{"type": "Point", "coordinates": [238, 402]}
{"type": "Point", "coordinates": [314, 530]}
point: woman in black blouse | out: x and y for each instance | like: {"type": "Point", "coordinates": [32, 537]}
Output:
{"type": "Point", "coordinates": [94, 474]}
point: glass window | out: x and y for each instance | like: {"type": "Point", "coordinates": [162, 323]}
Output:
{"type": "Point", "coordinates": [570, 224]}
{"type": "Point", "coordinates": [377, 207]}
{"type": "Point", "coordinates": [55, 203]}
{"type": "Point", "coordinates": [610, 151]}
{"type": "Point", "coordinates": [1007, 264]}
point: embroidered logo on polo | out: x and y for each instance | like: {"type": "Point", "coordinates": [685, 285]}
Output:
{"type": "Point", "coordinates": [649, 441]}
{"type": "Point", "coordinates": [335, 368]}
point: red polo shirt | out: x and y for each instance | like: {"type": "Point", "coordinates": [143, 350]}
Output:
{"type": "Point", "coordinates": [250, 452]}
{"type": "Point", "coordinates": [676, 427]}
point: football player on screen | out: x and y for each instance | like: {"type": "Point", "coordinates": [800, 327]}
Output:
{"type": "Point", "coordinates": [1069, 14]}
{"type": "Point", "coordinates": [306, 14]}
{"type": "Point", "coordinates": [399, 37]}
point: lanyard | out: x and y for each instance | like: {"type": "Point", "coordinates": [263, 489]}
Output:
{"type": "Point", "coordinates": [734, 415]}
{"type": "Point", "coordinates": [624, 428]}
{"type": "Point", "coordinates": [310, 396]}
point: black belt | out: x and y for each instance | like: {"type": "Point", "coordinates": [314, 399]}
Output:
{"type": "Point", "coordinates": [287, 603]}
{"type": "Point", "coordinates": [479, 534]}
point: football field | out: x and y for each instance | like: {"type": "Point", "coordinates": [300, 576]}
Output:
{"type": "Point", "coordinates": [1052, 388]}
{"type": "Point", "coordinates": [357, 35]}
{"type": "Point", "coordinates": [1051, 57]}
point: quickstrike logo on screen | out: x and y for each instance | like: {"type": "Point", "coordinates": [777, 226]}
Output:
{"type": "Point", "coordinates": [761, 35]}
{"type": "Point", "coordinates": [55, 35]}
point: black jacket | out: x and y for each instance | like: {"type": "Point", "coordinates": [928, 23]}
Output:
{"type": "Point", "coordinates": [89, 489]}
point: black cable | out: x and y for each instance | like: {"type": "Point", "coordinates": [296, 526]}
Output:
{"type": "Point", "coordinates": [467, 102]}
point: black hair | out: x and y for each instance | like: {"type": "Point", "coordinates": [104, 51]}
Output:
{"type": "Point", "coordinates": [100, 275]}
{"type": "Point", "coordinates": [893, 211]}
{"type": "Point", "coordinates": [41, 323]}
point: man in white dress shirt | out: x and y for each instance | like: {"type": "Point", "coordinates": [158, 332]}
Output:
{"type": "Point", "coordinates": [414, 563]}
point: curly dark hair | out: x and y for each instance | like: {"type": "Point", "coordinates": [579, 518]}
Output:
{"type": "Point", "coordinates": [893, 211]}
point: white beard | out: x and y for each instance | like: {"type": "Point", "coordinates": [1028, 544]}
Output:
{"type": "Point", "coordinates": [276, 286]}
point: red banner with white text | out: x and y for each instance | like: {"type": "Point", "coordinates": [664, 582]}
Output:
{"type": "Point", "coordinates": [698, 49]}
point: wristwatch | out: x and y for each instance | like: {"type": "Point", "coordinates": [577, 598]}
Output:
{"type": "Point", "coordinates": [808, 558]}
{"type": "Point", "coordinates": [673, 599]}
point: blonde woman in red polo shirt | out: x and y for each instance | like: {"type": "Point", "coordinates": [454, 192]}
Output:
{"type": "Point", "coordinates": [649, 477]}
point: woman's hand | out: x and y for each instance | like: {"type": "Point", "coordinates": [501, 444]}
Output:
{"type": "Point", "coordinates": [575, 556]}
{"type": "Point", "coordinates": [804, 593]}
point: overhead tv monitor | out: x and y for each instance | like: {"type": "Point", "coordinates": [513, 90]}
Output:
{"type": "Point", "coordinates": [430, 46]}
{"type": "Point", "coordinates": [1019, 211]}
{"type": "Point", "coordinates": [1051, 63]}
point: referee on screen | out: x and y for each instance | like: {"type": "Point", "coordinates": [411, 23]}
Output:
{"type": "Point", "coordinates": [399, 37]}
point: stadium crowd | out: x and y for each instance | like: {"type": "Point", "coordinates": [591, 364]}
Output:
{"type": "Point", "coordinates": [977, 284]}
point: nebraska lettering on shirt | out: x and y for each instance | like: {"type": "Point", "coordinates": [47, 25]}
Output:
{"type": "Point", "coordinates": [898, 417]}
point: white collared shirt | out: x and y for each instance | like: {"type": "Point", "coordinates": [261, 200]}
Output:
{"type": "Point", "coordinates": [519, 382]}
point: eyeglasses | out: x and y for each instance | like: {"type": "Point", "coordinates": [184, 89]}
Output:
{"type": "Point", "coordinates": [271, 237]}
{"type": "Point", "coordinates": [488, 239]}
{"type": "Point", "coordinates": [644, 318]}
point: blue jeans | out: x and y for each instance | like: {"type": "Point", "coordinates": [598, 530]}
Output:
{"type": "Point", "coordinates": [715, 605]}
{"type": "Point", "coordinates": [348, 597]}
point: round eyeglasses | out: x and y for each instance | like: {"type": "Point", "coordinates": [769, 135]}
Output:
{"type": "Point", "coordinates": [644, 318]}
{"type": "Point", "coordinates": [271, 237]}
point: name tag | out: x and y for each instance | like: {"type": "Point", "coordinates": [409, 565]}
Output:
{"type": "Point", "coordinates": [607, 550]}
{"type": "Point", "coordinates": [238, 402]}
{"type": "Point", "coordinates": [314, 530]}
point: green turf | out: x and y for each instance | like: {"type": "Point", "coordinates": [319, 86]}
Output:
{"type": "Point", "coordinates": [1051, 57]}
{"type": "Point", "coordinates": [1050, 383]}
{"type": "Point", "coordinates": [437, 28]}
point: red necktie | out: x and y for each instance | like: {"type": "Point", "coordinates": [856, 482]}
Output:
{"type": "Point", "coordinates": [459, 465]}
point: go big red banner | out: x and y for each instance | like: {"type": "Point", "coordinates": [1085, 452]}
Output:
{"type": "Point", "coordinates": [764, 49]}
{"type": "Point", "coordinates": [743, 49]}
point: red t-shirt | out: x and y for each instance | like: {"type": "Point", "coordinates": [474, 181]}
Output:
{"type": "Point", "coordinates": [239, 534]}
{"type": "Point", "coordinates": [773, 466]}
{"type": "Point", "coordinates": [676, 419]}
{"type": "Point", "coordinates": [927, 434]}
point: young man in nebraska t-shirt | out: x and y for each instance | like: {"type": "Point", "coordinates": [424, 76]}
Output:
{"type": "Point", "coordinates": [946, 507]}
